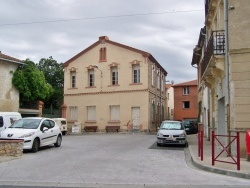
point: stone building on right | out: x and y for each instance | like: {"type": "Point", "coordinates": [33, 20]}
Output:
{"type": "Point", "coordinates": [222, 59]}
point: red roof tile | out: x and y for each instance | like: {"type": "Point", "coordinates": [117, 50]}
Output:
{"type": "Point", "coordinates": [189, 83]}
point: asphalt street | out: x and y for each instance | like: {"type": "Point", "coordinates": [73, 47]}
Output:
{"type": "Point", "coordinates": [110, 160]}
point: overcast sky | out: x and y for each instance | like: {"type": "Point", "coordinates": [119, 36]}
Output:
{"type": "Point", "coordinates": [168, 29]}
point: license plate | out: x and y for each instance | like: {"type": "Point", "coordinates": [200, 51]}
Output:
{"type": "Point", "coordinates": [171, 139]}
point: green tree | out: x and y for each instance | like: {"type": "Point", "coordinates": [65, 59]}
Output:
{"type": "Point", "coordinates": [53, 72]}
{"type": "Point", "coordinates": [31, 83]}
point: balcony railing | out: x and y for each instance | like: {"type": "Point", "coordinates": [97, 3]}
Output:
{"type": "Point", "coordinates": [215, 46]}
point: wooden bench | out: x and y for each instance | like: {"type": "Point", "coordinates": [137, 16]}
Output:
{"type": "Point", "coordinates": [112, 128]}
{"type": "Point", "coordinates": [90, 128]}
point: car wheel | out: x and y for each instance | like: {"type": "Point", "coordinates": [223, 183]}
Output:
{"type": "Point", "coordinates": [58, 141]}
{"type": "Point", "coordinates": [35, 145]}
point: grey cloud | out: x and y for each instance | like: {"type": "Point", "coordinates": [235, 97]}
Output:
{"type": "Point", "coordinates": [169, 37]}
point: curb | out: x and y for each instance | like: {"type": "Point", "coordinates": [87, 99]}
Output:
{"type": "Point", "coordinates": [217, 170]}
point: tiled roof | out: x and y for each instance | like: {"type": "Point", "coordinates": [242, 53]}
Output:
{"type": "Point", "coordinates": [189, 83]}
{"type": "Point", "coordinates": [9, 58]}
{"type": "Point", "coordinates": [106, 39]}
{"type": "Point", "coordinates": [167, 86]}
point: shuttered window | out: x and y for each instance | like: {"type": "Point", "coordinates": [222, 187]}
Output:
{"type": "Point", "coordinates": [91, 113]}
{"type": "Point", "coordinates": [115, 113]}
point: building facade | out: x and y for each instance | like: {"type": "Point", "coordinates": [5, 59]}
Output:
{"type": "Point", "coordinates": [185, 101]}
{"type": "Point", "coordinates": [222, 57]}
{"type": "Point", "coordinates": [170, 102]}
{"type": "Point", "coordinates": [9, 95]}
{"type": "Point", "coordinates": [111, 84]}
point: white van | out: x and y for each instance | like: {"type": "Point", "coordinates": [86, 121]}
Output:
{"type": "Point", "coordinates": [62, 123]}
{"type": "Point", "coordinates": [7, 118]}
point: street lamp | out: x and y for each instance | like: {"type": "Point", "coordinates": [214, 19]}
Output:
{"type": "Point", "coordinates": [95, 66]}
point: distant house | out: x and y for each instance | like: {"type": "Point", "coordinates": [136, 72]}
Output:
{"type": "Point", "coordinates": [111, 84]}
{"type": "Point", "coordinates": [170, 102]}
{"type": "Point", "coordinates": [9, 95]}
{"type": "Point", "coordinates": [185, 101]}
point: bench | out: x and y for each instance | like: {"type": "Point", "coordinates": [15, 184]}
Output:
{"type": "Point", "coordinates": [90, 128]}
{"type": "Point", "coordinates": [112, 128]}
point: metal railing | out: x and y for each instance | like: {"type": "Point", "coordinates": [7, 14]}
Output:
{"type": "Point", "coordinates": [226, 149]}
{"type": "Point", "coordinates": [215, 46]}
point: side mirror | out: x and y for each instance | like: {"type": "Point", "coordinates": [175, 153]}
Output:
{"type": "Point", "coordinates": [45, 129]}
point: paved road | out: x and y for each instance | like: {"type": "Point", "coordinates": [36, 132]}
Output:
{"type": "Point", "coordinates": [110, 160]}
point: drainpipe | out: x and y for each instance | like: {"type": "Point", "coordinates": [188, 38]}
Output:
{"type": "Point", "coordinates": [227, 68]}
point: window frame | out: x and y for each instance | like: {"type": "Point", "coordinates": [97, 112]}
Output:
{"type": "Point", "coordinates": [136, 74]}
{"type": "Point", "coordinates": [73, 113]}
{"type": "Point", "coordinates": [91, 78]}
{"type": "Point", "coordinates": [73, 79]}
{"type": "Point", "coordinates": [103, 54]}
{"type": "Point", "coordinates": [112, 117]}
{"type": "Point", "coordinates": [185, 103]}
{"type": "Point", "coordinates": [114, 75]}
{"type": "Point", "coordinates": [186, 90]}
{"type": "Point", "coordinates": [91, 115]}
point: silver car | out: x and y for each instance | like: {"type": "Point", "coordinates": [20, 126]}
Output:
{"type": "Point", "coordinates": [171, 132]}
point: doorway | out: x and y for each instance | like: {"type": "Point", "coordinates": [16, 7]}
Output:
{"type": "Point", "coordinates": [136, 118]}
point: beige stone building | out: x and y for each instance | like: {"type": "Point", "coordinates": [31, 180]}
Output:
{"type": "Point", "coordinates": [111, 84]}
{"type": "Point", "coordinates": [222, 56]}
{"type": "Point", "coordinates": [170, 101]}
{"type": "Point", "coordinates": [9, 95]}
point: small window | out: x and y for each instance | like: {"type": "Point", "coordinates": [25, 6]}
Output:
{"type": "Point", "coordinates": [46, 123]}
{"type": "Point", "coordinates": [63, 122]}
{"type": "Point", "coordinates": [91, 113]}
{"type": "Point", "coordinates": [153, 70]}
{"type": "Point", "coordinates": [186, 91]}
{"type": "Point", "coordinates": [186, 104]}
{"type": "Point", "coordinates": [114, 76]}
{"type": "Point", "coordinates": [115, 113]}
{"type": "Point", "coordinates": [103, 54]}
{"type": "Point", "coordinates": [73, 113]}
{"type": "Point", "coordinates": [91, 78]}
{"type": "Point", "coordinates": [73, 79]}
{"type": "Point", "coordinates": [52, 124]}
{"type": "Point", "coordinates": [136, 73]}
{"type": "Point", "coordinates": [158, 81]}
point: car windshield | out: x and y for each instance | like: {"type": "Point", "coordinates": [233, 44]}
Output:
{"type": "Point", "coordinates": [26, 124]}
{"type": "Point", "coordinates": [171, 126]}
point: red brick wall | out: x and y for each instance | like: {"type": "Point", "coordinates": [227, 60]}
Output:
{"type": "Point", "coordinates": [181, 113]}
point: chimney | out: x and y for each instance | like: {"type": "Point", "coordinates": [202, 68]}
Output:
{"type": "Point", "coordinates": [103, 38]}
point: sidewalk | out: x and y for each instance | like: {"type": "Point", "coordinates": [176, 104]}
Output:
{"type": "Point", "coordinates": [219, 167]}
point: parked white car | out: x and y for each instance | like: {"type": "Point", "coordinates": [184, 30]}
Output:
{"type": "Point", "coordinates": [171, 132]}
{"type": "Point", "coordinates": [62, 123]}
{"type": "Point", "coordinates": [35, 131]}
{"type": "Point", "coordinates": [7, 118]}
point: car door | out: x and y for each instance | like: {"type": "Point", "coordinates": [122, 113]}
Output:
{"type": "Point", "coordinates": [46, 133]}
{"type": "Point", "coordinates": [54, 131]}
